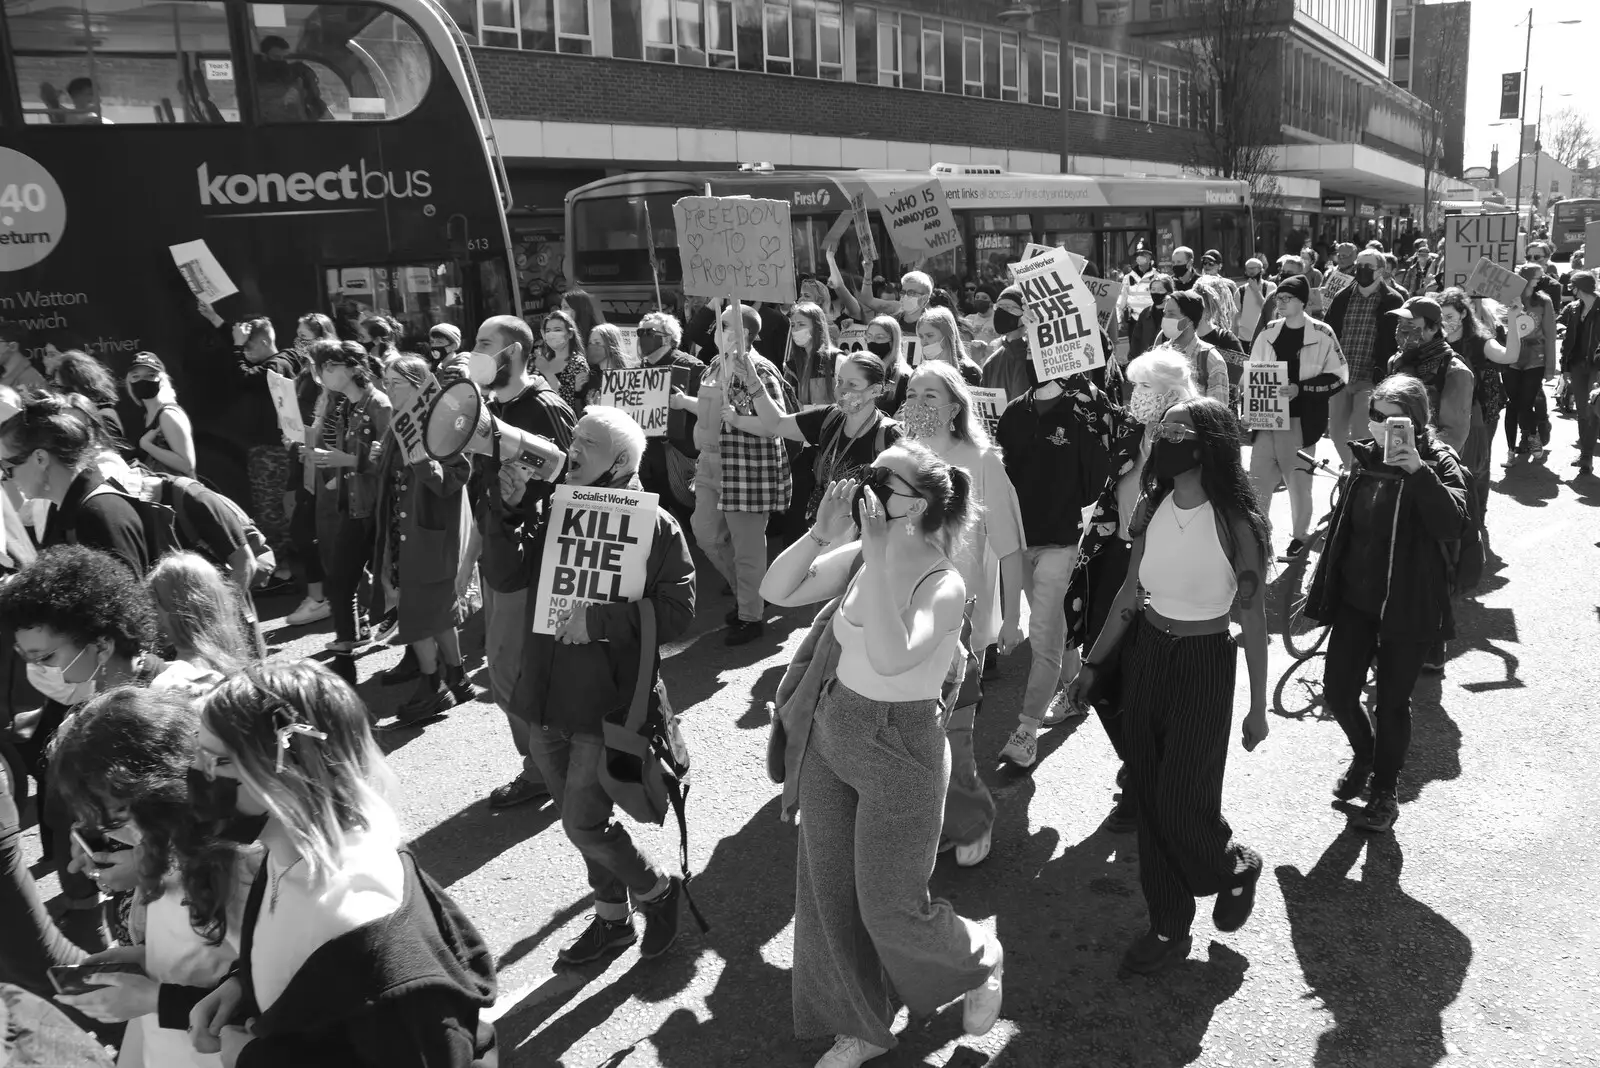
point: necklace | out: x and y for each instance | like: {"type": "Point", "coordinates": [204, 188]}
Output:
{"type": "Point", "coordinates": [275, 875]}
{"type": "Point", "coordinates": [1181, 525]}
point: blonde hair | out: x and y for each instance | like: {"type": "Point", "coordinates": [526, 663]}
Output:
{"type": "Point", "coordinates": [966, 426]}
{"type": "Point", "coordinates": [328, 786]}
{"type": "Point", "coordinates": [944, 320]}
{"type": "Point", "coordinates": [1165, 369]}
{"type": "Point", "coordinates": [616, 357]}
{"type": "Point", "coordinates": [201, 611]}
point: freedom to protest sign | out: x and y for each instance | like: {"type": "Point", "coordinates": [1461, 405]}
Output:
{"type": "Point", "coordinates": [989, 403]}
{"type": "Point", "coordinates": [642, 393]}
{"type": "Point", "coordinates": [736, 245]}
{"type": "Point", "coordinates": [919, 221]}
{"type": "Point", "coordinates": [595, 552]}
{"type": "Point", "coordinates": [409, 421]}
{"type": "Point", "coordinates": [1495, 282]}
{"type": "Point", "coordinates": [1264, 409]}
{"type": "Point", "coordinates": [1469, 238]}
{"type": "Point", "coordinates": [1062, 338]}
{"type": "Point", "coordinates": [287, 406]}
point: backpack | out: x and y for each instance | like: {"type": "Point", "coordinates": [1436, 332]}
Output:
{"type": "Point", "coordinates": [157, 520]}
{"type": "Point", "coordinates": [644, 767]}
{"type": "Point", "coordinates": [179, 488]}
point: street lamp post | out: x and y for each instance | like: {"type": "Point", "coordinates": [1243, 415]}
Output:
{"type": "Point", "coordinates": [1522, 123]}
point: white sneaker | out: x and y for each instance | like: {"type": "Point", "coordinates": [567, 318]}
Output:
{"type": "Point", "coordinates": [310, 611]}
{"type": "Point", "coordinates": [850, 1052]}
{"type": "Point", "coordinates": [981, 1007]}
{"type": "Point", "coordinates": [1023, 748]}
{"type": "Point", "coordinates": [974, 853]}
{"type": "Point", "coordinates": [1059, 710]}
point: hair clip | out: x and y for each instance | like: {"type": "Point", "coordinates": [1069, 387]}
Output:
{"type": "Point", "coordinates": [290, 730]}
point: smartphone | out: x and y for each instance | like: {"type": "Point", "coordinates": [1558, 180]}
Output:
{"type": "Point", "coordinates": [98, 843]}
{"type": "Point", "coordinates": [1397, 436]}
{"type": "Point", "coordinates": [76, 978]}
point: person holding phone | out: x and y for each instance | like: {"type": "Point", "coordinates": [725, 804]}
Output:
{"type": "Point", "coordinates": [1200, 546]}
{"type": "Point", "coordinates": [122, 764]}
{"type": "Point", "coordinates": [1383, 585]}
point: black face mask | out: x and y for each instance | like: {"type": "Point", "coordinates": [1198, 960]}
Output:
{"type": "Point", "coordinates": [1172, 458]}
{"type": "Point", "coordinates": [1365, 275]}
{"type": "Point", "coordinates": [144, 389]}
{"type": "Point", "coordinates": [882, 491]}
{"type": "Point", "coordinates": [880, 349]}
{"type": "Point", "coordinates": [1006, 321]}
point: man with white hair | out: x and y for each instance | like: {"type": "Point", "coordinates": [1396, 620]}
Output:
{"type": "Point", "coordinates": [598, 650]}
{"type": "Point", "coordinates": [668, 467]}
{"type": "Point", "coordinates": [916, 288]}
{"type": "Point", "coordinates": [1255, 296]}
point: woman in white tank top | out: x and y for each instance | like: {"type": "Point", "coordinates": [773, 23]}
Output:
{"type": "Point", "coordinates": [1199, 551]}
{"type": "Point", "coordinates": [876, 763]}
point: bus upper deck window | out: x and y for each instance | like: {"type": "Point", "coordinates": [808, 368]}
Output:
{"type": "Point", "coordinates": [103, 62]}
{"type": "Point", "coordinates": [335, 63]}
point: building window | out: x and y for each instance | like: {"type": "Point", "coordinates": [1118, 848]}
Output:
{"type": "Point", "coordinates": [1052, 75]}
{"type": "Point", "coordinates": [972, 61]}
{"type": "Point", "coordinates": [830, 40]}
{"type": "Point", "coordinates": [932, 56]}
{"type": "Point", "coordinates": [779, 47]}
{"type": "Point", "coordinates": [557, 26]}
{"type": "Point", "coordinates": [866, 28]}
{"type": "Point", "coordinates": [1402, 48]}
{"type": "Point", "coordinates": [1009, 62]}
{"type": "Point", "coordinates": [888, 50]}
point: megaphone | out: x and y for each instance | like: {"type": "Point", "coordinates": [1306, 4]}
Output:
{"type": "Point", "coordinates": [458, 421]}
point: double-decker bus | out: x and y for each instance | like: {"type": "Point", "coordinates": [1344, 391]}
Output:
{"type": "Point", "coordinates": [998, 213]}
{"type": "Point", "coordinates": [330, 156]}
{"type": "Point", "coordinates": [1569, 221]}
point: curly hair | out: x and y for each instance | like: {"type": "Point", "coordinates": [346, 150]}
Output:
{"type": "Point", "coordinates": [78, 372]}
{"type": "Point", "coordinates": [1221, 474]}
{"type": "Point", "coordinates": [84, 594]}
{"type": "Point", "coordinates": [127, 755]}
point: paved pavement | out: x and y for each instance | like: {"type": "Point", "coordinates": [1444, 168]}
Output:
{"type": "Point", "coordinates": [1468, 937]}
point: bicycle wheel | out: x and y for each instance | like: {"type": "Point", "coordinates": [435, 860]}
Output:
{"type": "Point", "coordinates": [1301, 636]}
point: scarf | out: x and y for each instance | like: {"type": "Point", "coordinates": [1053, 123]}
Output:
{"type": "Point", "coordinates": [1427, 360]}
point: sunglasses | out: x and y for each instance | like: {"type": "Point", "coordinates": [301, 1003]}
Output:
{"type": "Point", "coordinates": [8, 466]}
{"type": "Point", "coordinates": [1378, 417]}
{"type": "Point", "coordinates": [649, 333]}
{"type": "Point", "coordinates": [1174, 432]}
{"type": "Point", "coordinates": [881, 477]}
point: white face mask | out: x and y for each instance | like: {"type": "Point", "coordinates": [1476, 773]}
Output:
{"type": "Point", "coordinates": [801, 336]}
{"type": "Point", "coordinates": [931, 350]}
{"type": "Point", "coordinates": [484, 367]}
{"type": "Point", "coordinates": [1172, 327]}
{"type": "Point", "coordinates": [911, 305]}
{"type": "Point", "coordinates": [52, 683]}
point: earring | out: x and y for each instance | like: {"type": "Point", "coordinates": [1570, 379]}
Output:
{"type": "Point", "coordinates": [911, 527]}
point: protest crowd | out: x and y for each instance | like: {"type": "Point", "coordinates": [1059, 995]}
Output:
{"type": "Point", "coordinates": [237, 886]}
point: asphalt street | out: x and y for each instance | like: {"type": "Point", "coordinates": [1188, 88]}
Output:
{"type": "Point", "coordinates": [1467, 937]}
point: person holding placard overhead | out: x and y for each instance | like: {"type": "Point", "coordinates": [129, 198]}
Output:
{"type": "Point", "coordinates": [570, 680]}
{"type": "Point", "coordinates": [1316, 370]}
{"type": "Point", "coordinates": [871, 771]}
{"type": "Point", "coordinates": [916, 288]}
{"type": "Point", "coordinates": [743, 477]}
{"type": "Point", "coordinates": [502, 364]}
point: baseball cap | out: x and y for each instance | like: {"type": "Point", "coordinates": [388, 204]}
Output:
{"type": "Point", "coordinates": [1583, 281]}
{"type": "Point", "coordinates": [1211, 256]}
{"type": "Point", "coordinates": [1011, 300]}
{"type": "Point", "coordinates": [148, 359]}
{"type": "Point", "coordinates": [1424, 308]}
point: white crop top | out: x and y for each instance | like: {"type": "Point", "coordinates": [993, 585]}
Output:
{"type": "Point", "coordinates": [1185, 570]}
{"type": "Point", "coordinates": [923, 682]}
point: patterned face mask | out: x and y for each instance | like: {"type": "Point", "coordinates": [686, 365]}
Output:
{"type": "Point", "coordinates": [922, 420]}
{"type": "Point", "coordinates": [1148, 406]}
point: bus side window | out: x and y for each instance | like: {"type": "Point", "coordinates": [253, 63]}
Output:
{"type": "Point", "coordinates": [335, 63]}
{"type": "Point", "coordinates": [101, 62]}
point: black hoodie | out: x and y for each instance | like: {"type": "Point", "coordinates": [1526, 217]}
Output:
{"type": "Point", "coordinates": [404, 991]}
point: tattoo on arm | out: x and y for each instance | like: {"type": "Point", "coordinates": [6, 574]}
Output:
{"type": "Point", "coordinates": [811, 572]}
{"type": "Point", "coordinates": [1249, 586]}
{"type": "Point", "coordinates": [1128, 614]}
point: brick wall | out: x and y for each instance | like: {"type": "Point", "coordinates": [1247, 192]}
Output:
{"type": "Point", "coordinates": [530, 85]}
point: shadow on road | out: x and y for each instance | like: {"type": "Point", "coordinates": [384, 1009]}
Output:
{"type": "Point", "coordinates": [1530, 485]}
{"type": "Point", "coordinates": [454, 849]}
{"type": "Point", "coordinates": [1383, 963]}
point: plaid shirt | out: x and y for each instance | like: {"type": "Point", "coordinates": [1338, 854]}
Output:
{"type": "Point", "coordinates": [755, 468]}
{"type": "Point", "coordinates": [1360, 334]}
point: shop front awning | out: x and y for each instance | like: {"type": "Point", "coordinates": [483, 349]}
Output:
{"type": "Point", "coordinates": [1356, 169]}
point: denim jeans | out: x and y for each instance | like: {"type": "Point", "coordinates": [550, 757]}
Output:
{"type": "Point", "coordinates": [505, 630]}
{"type": "Point", "coordinates": [1049, 571]}
{"type": "Point", "coordinates": [1385, 737]}
{"type": "Point", "coordinates": [570, 764]}
{"type": "Point", "coordinates": [1273, 460]}
{"type": "Point", "coordinates": [734, 542]}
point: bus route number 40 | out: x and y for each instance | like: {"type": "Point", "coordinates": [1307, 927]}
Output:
{"type": "Point", "coordinates": [30, 197]}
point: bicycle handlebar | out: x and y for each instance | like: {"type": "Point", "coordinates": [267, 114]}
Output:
{"type": "Point", "coordinates": [1313, 465]}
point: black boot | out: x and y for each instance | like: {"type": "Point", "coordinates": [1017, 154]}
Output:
{"type": "Point", "coordinates": [455, 677]}
{"type": "Point", "coordinates": [431, 699]}
{"type": "Point", "coordinates": [407, 669]}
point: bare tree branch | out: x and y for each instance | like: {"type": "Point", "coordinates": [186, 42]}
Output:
{"type": "Point", "coordinates": [1569, 138]}
{"type": "Point", "coordinates": [1436, 76]}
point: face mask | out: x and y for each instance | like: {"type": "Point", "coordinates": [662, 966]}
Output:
{"type": "Point", "coordinates": [1148, 406]}
{"type": "Point", "coordinates": [52, 682]}
{"type": "Point", "coordinates": [649, 344]}
{"type": "Point", "coordinates": [144, 389]}
{"type": "Point", "coordinates": [880, 349]}
{"type": "Point", "coordinates": [883, 492]}
{"type": "Point", "coordinates": [801, 337]}
{"type": "Point", "coordinates": [932, 350]}
{"type": "Point", "coordinates": [1172, 327]}
{"type": "Point", "coordinates": [911, 306]}
{"type": "Point", "coordinates": [1006, 321]}
{"type": "Point", "coordinates": [1365, 275]}
{"type": "Point", "coordinates": [1180, 269]}
{"type": "Point", "coordinates": [1377, 431]}
{"type": "Point", "coordinates": [923, 420]}
{"type": "Point", "coordinates": [852, 401]}
{"type": "Point", "coordinates": [216, 801]}
{"type": "Point", "coordinates": [1172, 458]}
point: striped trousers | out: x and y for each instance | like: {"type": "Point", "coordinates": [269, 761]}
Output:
{"type": "Point", "coordinates": [1177, 708]}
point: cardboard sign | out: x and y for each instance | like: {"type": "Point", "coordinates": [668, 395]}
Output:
{"type": "Point", "coordinates": [1591, 236]}
{"type": "Point", "coordinates": [1264, 409]}
{"type": "Point", "coordinates": [202, 272]}
{"type": "Point", "coordinates": [1062, 335]}
{"type": "Point", "coordinates": [287, 405]}
{"type": "Point", "coordinates": [641, 392]}
{"type": "Point", "coordinates": [919, 221]}
{"type": "Point", "coordinates": [852, 339]}
{"type": "Point", "coordinates": [1335, 283]}
{"type": "Point", "coordinates": [863, 223]}
{"type": "Point", "coordinates": [630, 344]}
{"type": "Point", "coordinates": [1495, 282]}
{"type": "Point", "coordinates": [1107, 294]}
{"type": "Point", "coordinates": [409, 421]}
{"type": "Point", "coordinates": [595, 551]}
{"type": "Point", "coordinates": [989, 403]}
{"type": "Point", "coordinates": [736, 246]}
{"type": "Point", "coordinates": [1469, 238]}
